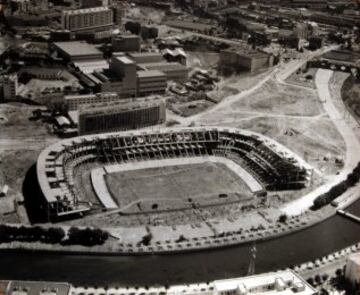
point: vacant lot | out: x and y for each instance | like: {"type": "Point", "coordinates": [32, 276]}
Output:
{"type": "Point", "coordinates": [176, 187]}
{"type": "Point", "coordinates": [21, 141]}
{"type": "Point", "coordinates": [290, 115]}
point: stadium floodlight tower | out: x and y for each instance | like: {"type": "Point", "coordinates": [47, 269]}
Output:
{"type": "Point", "coordinates": [253, 252]}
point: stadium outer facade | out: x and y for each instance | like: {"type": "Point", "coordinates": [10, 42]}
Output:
{"type": "Point", "coordinates": [271, 163]}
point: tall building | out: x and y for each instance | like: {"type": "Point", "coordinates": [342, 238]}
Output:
{"type": "Point", "coordinates": [119, 10]}
{"type": "Point", "coordinates": [125, 69]}
{"type": "Point", "coordinates": [87, 19]}
{"type": "Point", "coordinates": [121, 116]}
{"type": "Point", "coordinates": [10, 86]}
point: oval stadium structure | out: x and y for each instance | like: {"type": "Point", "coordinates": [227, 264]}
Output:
{"type": "Point", "coordinates": [261, 163]}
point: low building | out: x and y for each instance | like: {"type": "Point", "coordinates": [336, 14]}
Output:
{"type": "Point", "coordinates": [87, 19]}
{"type": "Point", "coordinates": [77, 51]}
{"type": "Point", "coordinates": [125, 43]}
{"type": "Point", "coordinates": [146, 57]}
{"type": "Point", "coordinates": [176, 55]}
{"type": "Point", "coordinates": [245, 59]}
{"type": "Point", "coordinates": [34, 288]}
{"type": "Point", "coordinates": [174, 71]}
{"type": "Point", "coordinates": [121, 116]}
{"type": "Point", "coordinates": [352, 272]}
{"type": "Point", "coordinates": [74, 102]}
{"type": "Point", "coordinates": [151, 82]}
{"type": "Point", "coordinates": [282, 282]}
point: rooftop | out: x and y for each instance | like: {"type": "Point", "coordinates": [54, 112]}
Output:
{"type": "Point", "coordinates": [144, 54]}
{"type": "Point", "coordinates": [261, 283]}
{"type": "Point", "coordinates": [246, 51]}
{"type": "Point", "coordinates": [77, 48]}
{"type": "Point", "coordinates": [162, 66]}
{"type": "Point", "coordinates": [114, 107]}
{"type": "Point", "coordinates": [123, 59]}
{"type": "Point", "coordinates": [86, 10]}
{"type": "Point", "coordinates": [151, 73]}
{"type": "Point", "coordinates": [188, 25]}
{"type": "Point", "coordinates": [38, 288]}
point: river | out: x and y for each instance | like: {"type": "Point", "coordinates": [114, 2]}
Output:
{"type": "Point", "coordinates": [322, 239]}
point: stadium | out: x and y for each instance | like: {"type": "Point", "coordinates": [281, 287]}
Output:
{"type": "Point", "coordinates": [167, 169]}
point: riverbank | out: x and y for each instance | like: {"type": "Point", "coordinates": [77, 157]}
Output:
{"type": "Point", "coordinates": [113, 247]}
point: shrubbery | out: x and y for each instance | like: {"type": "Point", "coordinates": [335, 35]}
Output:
{"type": "Point", "coordinates": [31, 234]}
{"type": "Point", "coordinates": [338, 189]}
{"type": "Point", "coordinates": [53, 235]}
{"type": "Point", "coordinates": [86, 237]}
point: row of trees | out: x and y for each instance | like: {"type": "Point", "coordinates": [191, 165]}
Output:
{"type": "Point", "coordinates": [31, 234]}
{"type": "Point", "coordinates": [53, 235]}
{"type": "Point", "coordinates": [338, 190]}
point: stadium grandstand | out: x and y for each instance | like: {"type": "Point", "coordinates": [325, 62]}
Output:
{"type": "Point", "coordinates": [274, 166]}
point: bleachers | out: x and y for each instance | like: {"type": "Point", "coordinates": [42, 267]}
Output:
{"type": "Point", "coordinates": [275, 171]}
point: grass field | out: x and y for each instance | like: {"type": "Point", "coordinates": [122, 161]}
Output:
{"type": "Point", "coordinates": [175, 187]}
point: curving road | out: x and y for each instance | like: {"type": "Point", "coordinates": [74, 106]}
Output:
{"type": "Point", "coordinates": [352, 143]}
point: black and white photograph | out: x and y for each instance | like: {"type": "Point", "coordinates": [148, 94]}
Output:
{"type": "Point", "coordinates": [179, 147]}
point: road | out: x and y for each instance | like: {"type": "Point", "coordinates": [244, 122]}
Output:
{"type": "Point", "coordinates": [280, 73]}
{"type": "Point", "coordinates": [25, 143]}
{"type": "Point", "coordinates": [352, 144]}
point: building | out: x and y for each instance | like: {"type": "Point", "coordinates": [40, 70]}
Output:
{"type": "Point", "coordinates": [245, 59]}
{"type": "Point", "coordinates": [77, 51]}
{"type": "Point", "coordinates": [34, 288]}
{"type": "Point", "coordinates": [9, 87]}
{"type": "Point", "coordinates": [282, 282]}
{"type": "Point", "coordinates": [119, 10]}
{"type": "Point", "coordinates": [146, 57]}
{"type": "Point", "coordinates": [191, 26]}
{"type": "Point", "coordinates": [125, 69]}
{"type": "Point", "coordinates": [84, 56]}
{"type": "Point", "coordinates": [121, 116]}
{"type": "Point", "coordinates": [176, 55]}
{"type": "Point", "coordinates": [173, 70]}
{"type": "Point", "coordinates": [316, 43]}
{"type": "Point", "coordinates": [87, 19]}
{"type": "Point", "coordinates": [352, 272]}
{"type": "Point", "coordinates": [150, 82]}
{"type": "Point", "coordinates": [74, 102]}
{"type": "Point", "coordinates": [125, 43]}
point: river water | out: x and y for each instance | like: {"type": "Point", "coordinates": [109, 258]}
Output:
{"type": "Point", "coordinates": [322, 239]}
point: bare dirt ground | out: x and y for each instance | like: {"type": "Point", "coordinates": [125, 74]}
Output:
{"type": "Point", "coordinates": [21, 141]}
{"type": "Point", "coordinates": [303, 78]}
{"type": "Point", "coordinates": [293, 117]}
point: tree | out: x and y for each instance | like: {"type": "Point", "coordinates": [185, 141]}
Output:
{"type": "Point", "coordinates": [133, 27]}
{"type": "Point", "coordinates": [283, 218]}
{"type": "Point", "coordinates": [147, 239]}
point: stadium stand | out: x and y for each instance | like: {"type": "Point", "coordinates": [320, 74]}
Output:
{"type": "Point", "coordinates": [274, 166]}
